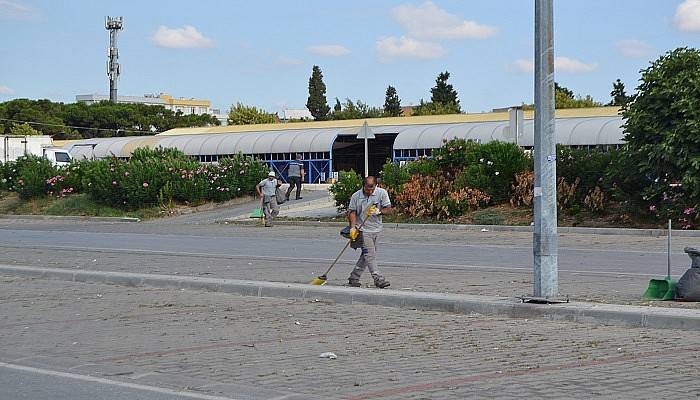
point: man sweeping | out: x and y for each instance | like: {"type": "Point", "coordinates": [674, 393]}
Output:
{"type": "Point", "coordinates": [267, 191]}
{"type": "Point", "coordinates": [370, 202]}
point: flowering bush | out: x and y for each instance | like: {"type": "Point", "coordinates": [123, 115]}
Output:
{"type": "Point", "coordinates": [8, 172]}
{"type": "Point", "coordinates": [493, 169]}
{"type": "Point", "coordinates": [456, 154]}
{"type": "Point", "coordinates": [160, 176]}
{"type": "Point", "coordinates": [393, 176]}
{"type": "Point", "coordinates": [671, 201]}
{"type": "Point", "coordinates": [348, 183]}
{"type": "Point", "coordinates": [32, 174]}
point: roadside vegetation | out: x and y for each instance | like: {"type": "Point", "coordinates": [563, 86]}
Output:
{"type": "Point", "coordinates": [146, 185]}
{"type": "Point", "coordinates": [653, 177]}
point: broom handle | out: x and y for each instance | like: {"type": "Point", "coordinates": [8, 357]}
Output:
{"type": "Point", "coordinates": [346, 246]}
{"type": "Point", "coordinates": [337, 258]}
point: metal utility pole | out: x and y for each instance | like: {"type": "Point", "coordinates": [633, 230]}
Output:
{"type": "Point", "coordinates": [113, 25]}
{"type": "Point", "coordinates": [366, 133]}
{"type": "Point", "coordinates": [545, 241]}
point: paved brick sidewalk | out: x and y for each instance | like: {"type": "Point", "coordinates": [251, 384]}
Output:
{"type": "Point", "coordinates": [266, 348]}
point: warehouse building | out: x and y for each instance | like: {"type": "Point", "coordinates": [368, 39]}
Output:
{"type": "Point", "coordinates": [331, 146]}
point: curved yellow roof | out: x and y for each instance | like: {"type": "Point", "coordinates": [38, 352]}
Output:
{"type": "Point", "coordinates": [413, 120]}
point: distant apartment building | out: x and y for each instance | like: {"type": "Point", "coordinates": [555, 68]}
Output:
{"type": "Point", "coordinates": [186, 106]}
{"type": "Point", "coordinates": [302, 114]}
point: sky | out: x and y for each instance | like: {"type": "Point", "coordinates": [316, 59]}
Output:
{"type": "Point", "coordinates": [261, 53]}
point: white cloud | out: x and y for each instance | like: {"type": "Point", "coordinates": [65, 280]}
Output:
{"type": "Point", "coordinates": [403, 47]}
{"type": "Point", "coordinates": [6, 90]}
{"type": "Point", "coordinates": [331, 50]}
{"type": "Point", "coordinates": [566, 64]}
{"type": "Point", "coordinates": [562, 64]}
{"type": "Point", "coordinates": [687, 16]}
{"type": "Point", "coordinates": [428, 21]}
{"type": "Point", "coordinates": [16, 10]}
{"type": "Point", "coordinates": [524, 65]}
{"type": "Point", "coordinates": [633, 48]}
{"type": "Point", "coordinates": [284, 60]}
{"type": "Point", "coordinates": [180, 38]}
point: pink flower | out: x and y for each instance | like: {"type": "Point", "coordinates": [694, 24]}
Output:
{"type": "Point", "coordinates": [114, 183]}
{"type": "Point", "coordinates": [145, 184]}
{"type": "Point", "coordinates": [126, 173]}
{"type": "Point", "coordinates": [689, 211]}
{"type": "Point", "coordinates": [652, 208]}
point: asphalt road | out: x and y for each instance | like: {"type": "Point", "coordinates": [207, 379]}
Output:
{"type": "Point", "coordinates": [638, 256]}
{"type": "Point", "coordinates": [19, 382]}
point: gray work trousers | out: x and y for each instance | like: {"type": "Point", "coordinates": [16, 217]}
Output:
{"type": "Point", "coordinates": [270, 209]}
{"type": "Point", "coordinates": [368, 258]}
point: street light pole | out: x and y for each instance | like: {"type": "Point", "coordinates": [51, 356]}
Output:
{"type": "Point", "coordinates": [545, 240]}
{"type": "Point", "coordinates": [366, 133]}
{"type": "Point", "coordinates": [366, 158]}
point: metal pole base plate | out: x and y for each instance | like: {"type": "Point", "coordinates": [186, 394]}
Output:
{"type": "Point", "coordinates": [543, 300]}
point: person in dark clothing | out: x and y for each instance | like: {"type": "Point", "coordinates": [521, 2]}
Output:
{"type": "Point", "coordinates": [295, 174]}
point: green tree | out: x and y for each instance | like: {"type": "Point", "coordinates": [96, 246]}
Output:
{"type": "Point", "coordinates": [443, 92]}
{"type": "Point", "coordinates": [618, 94]}
{"type": "Point", "coordinates": [662, 131]}
{"type": "Point", "coordinates": [356, 110]}
{"type": "Point", "coordinates": [245, 115]}
{"type": "Point", "coordinates": [337, 108]}
{"type": "Point", "coordinates": [563, 91]}
{"type": "Point", "coordinates": [102, 119]}
{"type": "Point", "coordinates": [392, 103]}
{"type": "Point", "coordinates": [431, 108]}
{"type": "Point", "coordinates": [44, 113]}
{"type": "Point", "coordinates": [317, 103]}
{"type": "Point", "coordinates": [23, 130]}
{"type": "Point", "coordinates": [564, 98]}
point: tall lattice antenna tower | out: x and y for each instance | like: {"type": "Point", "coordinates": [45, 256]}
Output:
{"type": "Point", "coordinates": [113, 25]}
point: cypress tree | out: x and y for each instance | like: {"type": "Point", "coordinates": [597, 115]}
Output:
{"type": "Point", "coordinates": [317, 103]}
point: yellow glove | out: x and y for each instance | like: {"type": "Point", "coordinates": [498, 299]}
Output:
{"type": "Point", "coordinates": [354, 233]}
{"type": "Point", "coordinates": [373, 210]}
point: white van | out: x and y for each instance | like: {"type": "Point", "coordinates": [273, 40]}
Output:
{"type": "Point", "coordinates": [13, 147]}
{"type": "Point", "coordinates": [57, 156]}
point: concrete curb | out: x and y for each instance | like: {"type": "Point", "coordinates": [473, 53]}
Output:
{"type": "Point", "coordinates": [493, 228]}
{"type": "Point", "coordinates": [606, 314]}
{"type": "Point", "coordinates": [69, 218]}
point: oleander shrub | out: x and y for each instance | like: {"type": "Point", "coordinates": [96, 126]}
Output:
{"type": "Point", "coordinates": [348, 183]}
{"type": "Point", "coordinates": [32, 174]}
{"type": "Point", "coordinates": [8, 173]}
{"type": "Point", "coordinates": [492, 169]}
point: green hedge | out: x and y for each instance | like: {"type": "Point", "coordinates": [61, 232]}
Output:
{"type": "Point", "coordinates": [150, 177]}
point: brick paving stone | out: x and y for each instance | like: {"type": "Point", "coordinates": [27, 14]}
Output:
{"type": "Point", "coordinates": [217, 344]}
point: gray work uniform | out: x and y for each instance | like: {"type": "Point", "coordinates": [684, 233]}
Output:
{"type": "Point", "coordinates": [294, 176]}
{"type": "Point", "coordinates": [270, 207]}
{"type": "Point", "coordinates": [359, 203]}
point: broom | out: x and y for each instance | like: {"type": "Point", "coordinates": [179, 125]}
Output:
{"type": "Point", "coordinates": [321, 280]}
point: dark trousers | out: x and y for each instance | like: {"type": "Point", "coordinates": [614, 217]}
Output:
{"type": "Point", "coordinates": [294, 181]}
